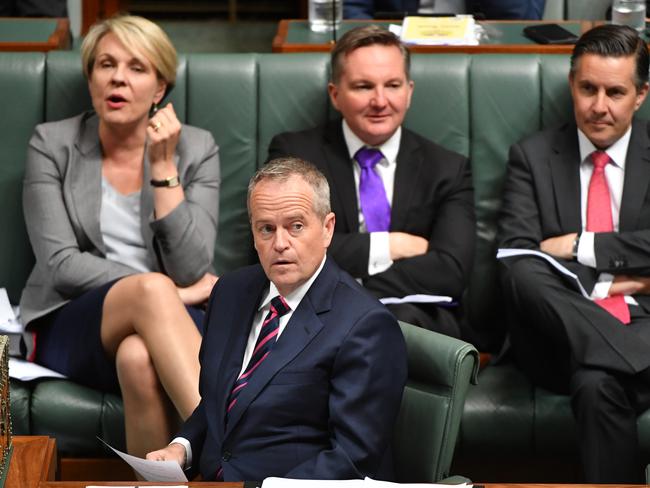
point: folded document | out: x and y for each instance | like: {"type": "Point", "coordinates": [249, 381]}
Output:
{"type": "Point", "coordinates": [507, 253]}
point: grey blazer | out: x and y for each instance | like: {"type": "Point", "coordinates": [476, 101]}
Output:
{"type": "Point", "coordinates": [62, 202]}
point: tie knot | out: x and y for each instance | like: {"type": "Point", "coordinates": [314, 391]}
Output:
{"type": "Point", "coordinates": [600, 159]}
{"type": "Point", "coordinates": [368, 157]}
{"type": "Point", "coordinates": [280, 305]}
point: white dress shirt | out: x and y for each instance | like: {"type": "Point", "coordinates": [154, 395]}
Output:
{"type": "Point", "coordinates": [293, 299]}
{"type": "Point", "coordinates": [615, 175]}
{"type": "Point", "coordinates": [379, 256]}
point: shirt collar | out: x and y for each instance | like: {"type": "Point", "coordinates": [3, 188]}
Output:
{"type": "Point", "coordinates": [294, 298]}
{"type": "Point", "coordinates": [389, 149]}
{"type": "Point", "coordinates": [617, 152]}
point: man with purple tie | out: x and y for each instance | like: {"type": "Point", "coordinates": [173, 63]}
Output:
{"type": "Point", "coordinates": [404, 205]}
{"type": "Point", "coordinates": [302, 370]}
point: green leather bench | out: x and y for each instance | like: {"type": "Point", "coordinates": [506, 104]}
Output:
{"type": "Point", "coordinates": [477, 105]}
{"type": "Point", "coordinates": [226, 95]}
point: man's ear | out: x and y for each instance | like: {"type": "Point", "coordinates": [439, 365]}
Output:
{"type": "Point", "coordinates": [641, 96]}
{"type": "Point", "coordinates": [333, 91]}
{"type": "Point", "coordinates": [328, 228]}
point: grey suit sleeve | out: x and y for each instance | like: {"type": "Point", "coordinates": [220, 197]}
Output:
{"type": "Point", "coordinates": [185, 238]}
{"type": "Point", "coordinates": [48, 220]}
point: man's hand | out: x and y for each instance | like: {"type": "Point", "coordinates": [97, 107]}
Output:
{"type": "Point", "coordinates": [403, 245]}
{"type": "Point", "coordinates": [173, 452]}
{"type": "Point", "coordinates": [630, 285]}
{"type": "Point", "coordinates": [198, 292]}
{"type": "Point", "coordinates": [560, 246]}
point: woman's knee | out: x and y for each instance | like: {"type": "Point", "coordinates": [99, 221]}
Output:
{"type": "Point", "coordinates": [135, 369]}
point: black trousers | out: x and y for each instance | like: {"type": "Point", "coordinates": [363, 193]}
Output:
{"type": "Point", "coordinates": [566, 343]}
{"type": "Point", "coordinates": [428, 316]}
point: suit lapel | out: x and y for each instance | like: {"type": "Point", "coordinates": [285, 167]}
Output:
{"type": "Point", "coordinates": [226, 358]}
{"type": "Point", "coordinates": [342, 175]}
{"type": "Point", "coordinates": [637, 177]}
{"type": "Point", "coordinates": [407, 174]}
{"type": "Point", "coordinates": [301, 329]}
{"type": "Point", "coordinates": [565, 172]}
{"type": "Point", "coordinates": [85, 180]}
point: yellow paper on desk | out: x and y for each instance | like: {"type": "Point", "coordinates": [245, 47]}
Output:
{"type": "Point", "coordinates": [458, 30]}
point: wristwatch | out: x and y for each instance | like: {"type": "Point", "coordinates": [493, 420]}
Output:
{"type": "Point", "coordinates": [170, 182]}
{"type": "Point", "coordinates": [574, 250]}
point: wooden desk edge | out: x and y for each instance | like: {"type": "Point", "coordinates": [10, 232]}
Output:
{"type": "Point", "coordinates": [280, 45]}
{"type": "Point", "coordinates": [59, 39]}
{"type": "Point", "coordinates": [33, 460]}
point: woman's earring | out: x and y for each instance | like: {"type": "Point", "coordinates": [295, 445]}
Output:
{"type": "Point", "coordinates": [154, 109]}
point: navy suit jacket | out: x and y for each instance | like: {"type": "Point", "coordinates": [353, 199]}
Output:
{"type": "Point", "coordinates": [324, 402]}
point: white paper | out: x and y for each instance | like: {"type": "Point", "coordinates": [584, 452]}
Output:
{"type": "Point", "coordinates": [419, 298]}
{"type": "Point", "coordinates": [291, 483]}
{"type": "Point", "coordinates": [370, 483]}
{"type": "Point", "coordinates": [506, 253]}
{"type": "Point", "coordinates": [164, 471]}
{"type": "Point", "coordinates": [8, 321]}
{"type": "Point", "coordinates": [27, 371]}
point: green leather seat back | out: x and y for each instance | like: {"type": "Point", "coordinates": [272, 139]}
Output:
{"type": "Point", "coordinates": [292, 95]}
{"type": "Point", "coordinates": [22, 83]}
{"type": "Point", "coordinates": [222, 98]}
{"type": "Point", "coordinates": [440, 369]}
{"type": "Point", "coordinates": [441, 99]}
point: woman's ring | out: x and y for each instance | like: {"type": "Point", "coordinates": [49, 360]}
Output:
{"type": "Point", "coordinates": [156, 126]}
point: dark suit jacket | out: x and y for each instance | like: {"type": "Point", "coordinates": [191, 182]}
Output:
{"type": "Point", "coordinates": [432, 198]}
{"type": "Point", "coordinates": [491, 9]}
{"type": "Point", "coordinates": [366, 9]}
{"type": "Point", "coordinates": [322, 405]}
{"type": "Point", "coordinates": [542, 199]}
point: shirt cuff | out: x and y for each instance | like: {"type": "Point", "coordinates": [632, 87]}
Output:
{"type": "Point", "coordinates": [379, 256]}
{"type": "Point", "coordinates": [602, 286]}
{"type": "Point", "coordinates": [586, 251]}
{"type": "Point", "coordinates": [188, 450]}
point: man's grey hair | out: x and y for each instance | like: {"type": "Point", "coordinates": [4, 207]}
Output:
{"type": "Point", "coordinates": [281, 169]}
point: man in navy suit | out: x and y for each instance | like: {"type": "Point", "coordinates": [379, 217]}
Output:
{"type": "Point", "coordinates": [310, 394]}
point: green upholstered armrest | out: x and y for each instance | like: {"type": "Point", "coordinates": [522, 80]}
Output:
{"type": "Point", "coordinates": [440, 370]}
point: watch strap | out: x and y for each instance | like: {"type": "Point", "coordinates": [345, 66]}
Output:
{"type": "Point", "coordinates": [170, 182]}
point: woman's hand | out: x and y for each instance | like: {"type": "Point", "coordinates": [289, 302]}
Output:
{"type": "Point", "coordinates": [198, 292]}
{"type": "Point", "coordinates": [163, 131]}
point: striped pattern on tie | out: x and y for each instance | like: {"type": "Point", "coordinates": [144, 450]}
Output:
{"type": "Point", "coordinates": [265, 341]}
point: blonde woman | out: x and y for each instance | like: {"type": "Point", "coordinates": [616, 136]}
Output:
{"type": "Point", "coordinates": [121, 208]}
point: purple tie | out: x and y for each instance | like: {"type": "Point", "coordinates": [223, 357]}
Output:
{"type": "Point", "coordinates": [263, 345]}
{"type": "Point", "coordinates": [372, 195]}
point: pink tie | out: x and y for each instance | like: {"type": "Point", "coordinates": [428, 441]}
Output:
{"type": "Point", "coordinates": [599, 219]}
